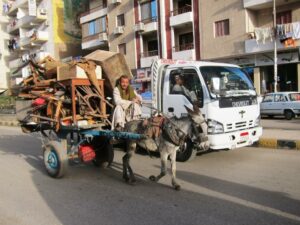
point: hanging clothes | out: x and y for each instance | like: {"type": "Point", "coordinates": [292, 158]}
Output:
{"type": "Point", "coordinates": [296, 30]}
{"type": "Point", "coordinates": [263, 34]}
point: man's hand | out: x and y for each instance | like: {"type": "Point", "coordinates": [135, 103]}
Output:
{"type": "Point", "coordinates": [136, 100]}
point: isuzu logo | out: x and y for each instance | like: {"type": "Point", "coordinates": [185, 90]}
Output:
{"type": "Point", "coordinates": [242, 113]}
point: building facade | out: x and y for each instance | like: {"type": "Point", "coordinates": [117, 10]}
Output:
{"type": "Point", "coordinates": [230, 34]}
{"type": "Point", "coordinates": [35, 29]}
{"type": "Point", "coordinates": [222, 31]}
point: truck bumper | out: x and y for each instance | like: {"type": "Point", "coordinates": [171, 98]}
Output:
{"type": "Point", "coordinates": [235, 139]}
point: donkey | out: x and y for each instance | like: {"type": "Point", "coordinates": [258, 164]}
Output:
{"type": "Point", "coordinates": [173, 133]}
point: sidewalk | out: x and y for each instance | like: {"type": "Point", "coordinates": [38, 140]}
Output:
{"type": "Point", "coordinates": [274, 138]}
{"type": "Point", "coordinates": [280, 139]}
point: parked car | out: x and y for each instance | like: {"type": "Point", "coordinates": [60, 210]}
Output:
{"type": "Point", "coordinates": [285, 104]}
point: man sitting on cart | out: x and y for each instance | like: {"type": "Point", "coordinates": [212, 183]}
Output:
{"type": "Point", "coordinates": [128, 104]}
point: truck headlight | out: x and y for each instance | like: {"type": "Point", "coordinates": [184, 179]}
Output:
{"type": "Point", "coordinates": [214, 127]}
{"type": "Point", "coordinates": [257, 122]}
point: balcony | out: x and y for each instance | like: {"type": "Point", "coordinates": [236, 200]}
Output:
{"type": "Point", "coordinates": [93, 14]}
{"type": "Point", "coordinates": [14, 7]}
{"type": "Point", "coordinates": [26, 22]}
{"type": "Point", "coordinates": [96, 40]}
{"type": "Point", "coordinates": [36, 39]}
{"type": "Point", "coordinates": [184, 52]}
{"type": "Point", "coordinates": [150, 25]}
{"type": "Point", "coordinates": [262, 4]}
{"type": "Point", "coordinates": [251, 46]}
{"type": "Point", "coordinates": [181, 16]}
{"type": "Point", "coordinates": [147, 58]}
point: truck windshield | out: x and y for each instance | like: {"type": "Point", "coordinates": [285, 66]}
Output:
{"type": "Point", "coordinates": [227, 81]}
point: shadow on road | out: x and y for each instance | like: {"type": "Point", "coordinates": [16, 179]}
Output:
{"type": "Point", "coordinates": [89, 195]}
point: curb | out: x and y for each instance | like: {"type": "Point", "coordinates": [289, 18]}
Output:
{"type": "Point", "coordinates": [278, 144]}
{"type": "Point", "coordinates": [9, 123]}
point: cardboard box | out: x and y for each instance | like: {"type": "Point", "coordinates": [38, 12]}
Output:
{"type": "Point", "coordinates": [113, 65]}
{"type": "Point", "coordinates": [68, 72]}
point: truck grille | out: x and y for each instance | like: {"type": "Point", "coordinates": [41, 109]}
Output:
{"type": "Point", "coordinates": [239, 125]}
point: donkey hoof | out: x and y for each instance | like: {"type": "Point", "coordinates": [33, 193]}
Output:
{"type": "Point", "coordinates": [131, 181]}
{"type": "Point", "coordinates": [152, 178]}
{"type": "Point", "coordinates": [177, 187]}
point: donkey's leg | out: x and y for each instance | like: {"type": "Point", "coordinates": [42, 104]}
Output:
{"type": "Point", "coordinates": [125, 167]}
{"type": "Point", "coordinates": [163, 168]}
{"type": "Point", "coordinates": [129, 175]}
{"type": "Point", "coordinates": [173, 168]}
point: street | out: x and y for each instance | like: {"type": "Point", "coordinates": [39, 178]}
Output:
{"type": "Point", "coordinates": [243, 186]}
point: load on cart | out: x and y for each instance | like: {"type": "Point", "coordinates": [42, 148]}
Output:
{"type": "Point", "coordinates": [66, 103]}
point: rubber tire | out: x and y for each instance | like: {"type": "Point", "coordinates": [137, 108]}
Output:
{"type": "Point", "coordinates": [288, 114]}
{"type": "Point", "coordinates": [186, 154]}
{"type": "Point", "coordinates": [104, 156]}
{"type": "Point", "coordinates": [61, 154]}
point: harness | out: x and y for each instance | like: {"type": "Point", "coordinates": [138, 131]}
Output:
{"type": "Point", "coordinates": [160, 125]}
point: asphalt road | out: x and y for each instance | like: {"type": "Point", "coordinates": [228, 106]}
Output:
{"type": "Point", "coordinates": [245, 186]}
{"type": "Point", "coordinates": [281, 123]}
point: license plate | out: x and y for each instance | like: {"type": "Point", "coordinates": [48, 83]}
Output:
{"type": "Point", "coordinates": [244, 136]}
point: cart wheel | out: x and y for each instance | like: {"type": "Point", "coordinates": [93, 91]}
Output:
{"type": "Point", "coordinates": [55, 159]}
{"type": "Point", "coordinates": [104, 155]}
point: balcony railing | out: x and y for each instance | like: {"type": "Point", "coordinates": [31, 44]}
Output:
{"type": "Point", "coordinates": [92, 37]}
{"type": "Point", "coordinates": [149, 20]}
{"type": "Point", "coordinates": [103, 6]}
{"type": "Point", "coordinates": [184, 47]}
{"type": "Point", "coordinates": [182, 10]}
{"type": "Point", "coordinates": [149, 54]}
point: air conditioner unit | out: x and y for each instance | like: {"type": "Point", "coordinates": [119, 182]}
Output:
{"type": "Point", "coordinates": [116, 2]}
{"type": "Point", "coordinates": [43, 11]}
{"type": "Point", "coordinates": [119, 30]}
{"type": "Point", "coordinates": [103, 37]}
{"type": "Point", "coordinates": [139, 27]}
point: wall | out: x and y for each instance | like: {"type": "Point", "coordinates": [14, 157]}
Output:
{"type": "Point", "coordinates": [3, 51]}
{"type": "Point", "coordinates": [216, 10]}
{"type": "Point", "coordinates": [126, 7]}
{"type": "Point", "coordinates": [66, 30]}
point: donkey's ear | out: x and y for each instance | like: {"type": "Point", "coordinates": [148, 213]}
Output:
{"type": "Point", "coordinates": [191, 112]}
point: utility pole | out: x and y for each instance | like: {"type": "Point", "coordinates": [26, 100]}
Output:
{"type": "Point", "coordinates": [275, 47]}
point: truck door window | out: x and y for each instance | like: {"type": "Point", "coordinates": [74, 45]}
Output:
{"type": "Point", "coordinates": [186, 82]}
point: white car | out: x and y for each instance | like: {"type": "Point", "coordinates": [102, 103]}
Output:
{"type": "Point", "coordinates": [285, 104]}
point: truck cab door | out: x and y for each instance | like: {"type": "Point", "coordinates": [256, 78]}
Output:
{"type": "Point", "coordinates": [177, 94]}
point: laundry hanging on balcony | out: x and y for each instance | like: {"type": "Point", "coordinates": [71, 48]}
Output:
{"type": "Point", "coordinates": [263, 34]}
{"type": "Point", "coordinates": [296, 30]}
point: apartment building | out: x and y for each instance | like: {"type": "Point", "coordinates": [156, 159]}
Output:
{"type": "Point", "coordinates": [165, 29]}
{"type": "Point", "coordinates": [3, 53]}
{"type": "Point", "coordinates": [143, 30]}
{"type": "Point", "coordinates": [108, 25]}
{"type": "Point", "coordinates": [229, 34]}
{"type": "Point", "coordinates": [35, 29]}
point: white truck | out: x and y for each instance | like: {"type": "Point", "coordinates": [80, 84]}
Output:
{"type": "Point", "coordinates": [224, 93]}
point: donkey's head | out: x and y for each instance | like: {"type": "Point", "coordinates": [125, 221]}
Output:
{"type": "Point", "coordinates": [199, 127]}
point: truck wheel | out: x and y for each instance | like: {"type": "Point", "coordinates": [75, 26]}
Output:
{"type": "Point", "coordinates": [288, 114]}
{"type": "Point", "coordinates": [186, 152]}
{"type": "Point", "coordinates": [104, 154]}
{"type": "Point", "coordinates": [55, 159]}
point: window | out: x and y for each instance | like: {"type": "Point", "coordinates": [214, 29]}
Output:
{"type": "Point", "coordinates": [122, 48]}
{"type": "Point", "coordinates": [280, 98]}
{"type": "Point", "coordinates": [222, 28]}
{"type": "Point", "coordinates": [94, 27]}
{"type": "Point", "coordinates": [268, 98]}
{"type": "Point", "coordinates": [284, 17]}
{"type": "Point", "coordinates": [148, 11]}
{"type": "Point", "coordinates": [120, 20]}
{"type": "Point", "coordinates": [186, 82]}
{"type": "Point", "coordinates": [153, 46]}
{"type": "Point", "coordinates": [186, 41]}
